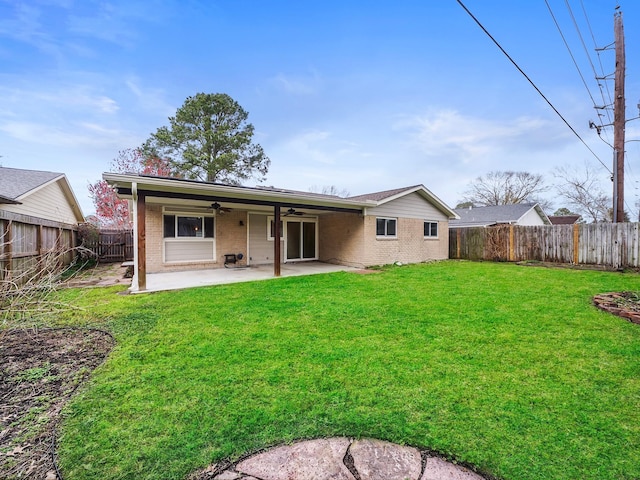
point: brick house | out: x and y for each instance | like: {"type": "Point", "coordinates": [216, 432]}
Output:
{"type": "Point", "coordinates": [187, 225]}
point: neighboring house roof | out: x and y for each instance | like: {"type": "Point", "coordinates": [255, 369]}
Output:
{"type": "Point", "coordinates": [17, 184]}
{"type": "Point", "coordinates": [378, 196]}
{"type": "Point", "coordinates": [7, 200]}
{"type": "Point", "coordinates": [174, 187]}
{"type": "Point", "coordinates": [496, 214]}
{"type": "Point", "coordinates": [563, 219]}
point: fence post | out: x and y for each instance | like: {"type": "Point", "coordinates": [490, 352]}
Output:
{"type": "Point", "coordinates": [512, 247]}
{"type": "Point", "coordinates": [9, 248]}
{"type": "Point", "coordinates": [576, 245]}
{"type": "Point", "coordinates": [458, 236]}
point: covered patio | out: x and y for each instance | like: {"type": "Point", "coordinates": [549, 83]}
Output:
{"type": "Point", "coordinates": [157, 282]}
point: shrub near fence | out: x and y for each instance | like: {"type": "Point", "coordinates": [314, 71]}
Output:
{"type": "Point", "coordinates": [614, 245]}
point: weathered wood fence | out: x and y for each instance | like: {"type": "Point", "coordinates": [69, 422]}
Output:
{"type": "Point", "coordinates": [614, 245]}
{"type": "Point", "coordinates": [25, 240]}
{"type": "Point", "coordinates": [111, 245]}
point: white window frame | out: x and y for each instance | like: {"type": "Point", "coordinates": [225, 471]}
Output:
{"type": "Point", "coordinates": [270, 219]}
{"type": "Point", "coordinates": [187, 240]}
{"type": "Point", "coordinates": [431, 237]}
{"type": "Point", "coordinates": [300, 220]}
{"type": "Point", "coordinates": [386, 235]}
{"type": "Point", "coordinates": [188, 215]}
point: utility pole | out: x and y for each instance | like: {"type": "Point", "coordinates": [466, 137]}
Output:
{"type": "Point", "coordinates": [619, 121]}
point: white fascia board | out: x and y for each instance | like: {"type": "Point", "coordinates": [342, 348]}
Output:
{"type": "Point", "coordinates": [425, 193]}
{"type": "Point", "coordinates": [239, 193]}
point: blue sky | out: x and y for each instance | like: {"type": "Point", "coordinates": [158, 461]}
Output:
{"type": "Point", "coordinates": [365, 96]}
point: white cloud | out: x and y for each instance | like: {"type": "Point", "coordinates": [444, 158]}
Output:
{"type": "Point", "coordinates": [71, 136]}
{"type": "Point", "coordinates": [150, 99]}
{"type": "Point", "coordinates": [298, 84]}
{"type": "Point", "coordinates": [447, 132]}
{"type": "Point", "coordinates": [25, 100]}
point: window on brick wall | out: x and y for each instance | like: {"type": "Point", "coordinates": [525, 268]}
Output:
{"type": "Point", "coordinates": [188, 237]}
{"type": "Point", "coordinates": [386, 227]}
{"type": "Point", "coordinates": [178, 226]}
{"type": "Point", "coordinates": [430, 229]}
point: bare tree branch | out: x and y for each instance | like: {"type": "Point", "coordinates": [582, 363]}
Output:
{"type": "Point", "coordinates": [506, 188]}
{"type": "Point", "coordinates": [583, 192]}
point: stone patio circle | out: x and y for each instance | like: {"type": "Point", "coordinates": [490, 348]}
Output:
{"type": "Point", "coordinates": [341, 458]}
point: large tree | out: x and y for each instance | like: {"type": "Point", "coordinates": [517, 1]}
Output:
{"type": "Point", "coordinates": [583, 192]}
{"type": "Point", "coordinates": [209, 139]}
{"type": "Point", "coordinates": [111, 211]}
{"type": "Point", "coordinates": [505, 188]}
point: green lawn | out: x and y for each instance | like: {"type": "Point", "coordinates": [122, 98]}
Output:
{"type": "Point", "coordinates": [506, 367]}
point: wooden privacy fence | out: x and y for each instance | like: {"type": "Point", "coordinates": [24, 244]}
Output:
{"type": "Point", "coordinates": [25, 241]}
{"type": "Point", "coordinates": [614, 245]}
{"type": "Point", "coordinates": [111, 245]}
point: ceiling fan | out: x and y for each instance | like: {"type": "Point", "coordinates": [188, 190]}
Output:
{"type": "Point", "coordinates": [292, 211]}
{"type": "Point", "coordinates": [219, 208]}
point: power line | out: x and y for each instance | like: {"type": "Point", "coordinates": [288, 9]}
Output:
{"type": "Point", "coordinates": [532, 83]}
{"type": "Point", "coordinates": [598, 50]}
{"type": "Point", "coordinates": [566, 44]}
{"type": "Point", "coordinates": [605, 104]}
{"type": "Point", "coordinates": [586, 51]}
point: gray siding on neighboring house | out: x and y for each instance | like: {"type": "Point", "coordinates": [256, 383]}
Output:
{"type": "Point", "coordinates": [49, 203]}
{"type": "Point", "coordinates": [409, 206]}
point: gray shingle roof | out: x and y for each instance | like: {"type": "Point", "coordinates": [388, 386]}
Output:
{"type": "Point", "coordinates": [377, 196]}
{"type": "Point", "coordinates": [563, 219]}
{"type": "Point", "coordinates": [15, 182]}
{"type": "Point", "coordinates": [490, 215]}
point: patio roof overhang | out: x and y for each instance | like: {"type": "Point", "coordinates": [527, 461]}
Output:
{"type": "Point", "coordinates": [125, 192]}
{"type": "Point", "coordinates": [172, 188]}
{"type": "Point", "coordinates": [139, 188]}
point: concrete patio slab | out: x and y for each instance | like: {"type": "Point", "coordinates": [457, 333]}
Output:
{"type": "Point", "coordinates": [218, 276]}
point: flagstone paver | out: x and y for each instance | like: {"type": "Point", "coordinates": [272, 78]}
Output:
{"type": "Point", "coordinates": [341, 459]}
{"type": "Point", "coordinates": [439, 469]}
{"type": "Point", "coordinates": [314, 459]}
{"type": "Point", "coordinates": [378, 460]}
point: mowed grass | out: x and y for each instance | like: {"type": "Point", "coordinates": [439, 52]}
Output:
{"type": "Point", "coordinates": [505, 367]}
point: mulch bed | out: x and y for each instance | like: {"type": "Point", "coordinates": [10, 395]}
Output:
{"type": "Point", "coordinates": [40, 369]}
{"type": "Point", "coordinates": [623, 304]}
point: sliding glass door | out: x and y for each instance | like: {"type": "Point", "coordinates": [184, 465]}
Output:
{"type": "Point", "coordinates": [301, 240]}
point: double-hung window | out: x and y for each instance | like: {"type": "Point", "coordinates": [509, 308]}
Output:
{"type": "Point", "coordinates": [177, 226]}
{"type": "Point", "coordinates": [386, 227]}
{"type": "Point", "coordinates": [188, 237]}
{"type": "Point", "coordinates": [430, 229]}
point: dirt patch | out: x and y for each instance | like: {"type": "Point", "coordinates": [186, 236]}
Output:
{"type": "Point", "coordinates": [102, 275]}
{"type": "Point", "coordinates": [366, 271]}
{"type": "Point", "coordinates": [573, 266]}
{"type": "Point", "coordinates": [622, 304]}
{"type": "Point", "coordinates": [39, 371]}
